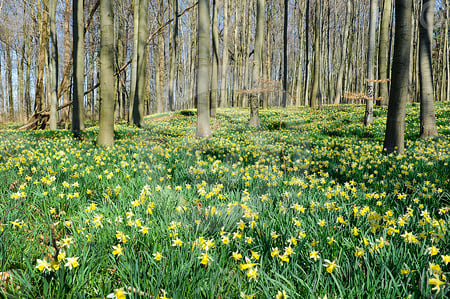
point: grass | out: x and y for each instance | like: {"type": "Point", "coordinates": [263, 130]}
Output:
{"type": "Point", "coordinates": [308, 205]}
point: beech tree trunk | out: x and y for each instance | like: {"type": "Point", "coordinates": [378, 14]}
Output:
{"type": "Point", "coordinates": [315, 93]}
{"type": "Point", "coordinates": [370, 92]}
{"type": "Point", "coordinates": [173, 58]}
{"type": "Point", "coordinates": [10, 87]}
{"type": "Point", "coordinates": [395, 125]}
{"type": "Point", "coordinates": [204, 47]}
{"type": "Point", "coordinates": [224, 76]}
{"type": "Point", "coordinates": [54, 65]}
{"type": "Point", "coordinates": [106, 123]}
{"type": "Point", "coordinates": [285, 53]}
{"type": "Point", "coordinates": [67, 60]}
{"type": "Point", "coordinates": [383, 55]}
{"type": "Point", "coordinates": [427, 115]}
{"type": "Point", "coordinates": [43, 37]}
{"type": "Point", "coordinates": [78, 67]}
{"type": "Point", "coordinates": [215, 60]}
{"type": "Point", "coordinates": [344, 50]}
{"type": "Point", "coordinates": [257, 69]}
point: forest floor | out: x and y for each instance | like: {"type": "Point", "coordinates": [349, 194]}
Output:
{"type": "Point", "coordinates": [306, 206]}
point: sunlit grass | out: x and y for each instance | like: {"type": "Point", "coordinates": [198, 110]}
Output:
{"type": "Point", "coordinates": [308, 205]}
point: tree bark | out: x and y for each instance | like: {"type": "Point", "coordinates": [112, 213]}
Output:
{"type": "Point", "coordinates": [106, 124]}
{"type": "Point", "coordinates": [54, 65]}
{"type": "Point", "coordinates": [395, 125]}
{"type": "Point", "coordinates": [43, 37]}
{"type": "Point", "coordinates": [78, 67]}
{"type": "Point", "coordinates": [9, 78]}
{"type": "Point", "coordinates": [173, 59]}
{"type": "Point", "coordinates": [370, 92]}
{"type": "Point", "coordinates": [315, 93]}
{"type": "Point", "coordinates": [223, 102]}
{"type": "Point", "coordinates": [257, 69]}
{"type": "Point", "coordinates": [160, 107]}
{"type": "Point", "coordinates": [427, 114]}
{"type": "Point", "coordinates": [204, 47]}
{"type": "Point", "coordinates": [285, 53]}
{"type": "Point", "coordinates": [134, 59]}
{"type": "Point", "coordinates": [383, 57]}
{"type": "Point", "coordinates": [215, 60]}
{"type": "Point", "coordinates": [67, 59]}
{"type": "Point", "coordinates": [344, 52]}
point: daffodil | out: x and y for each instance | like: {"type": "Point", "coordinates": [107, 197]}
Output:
{"type": "Point", "coordinates": [330, 265]}
{"type": "Point", "coordinates": [118, 294]}
{"type": "Point", "coordinates": [177, 242]}
{"type": "Point", "coordinates": [437, 283]}
{"type": "Point", "coordinates": [118, 250]}
{"type": "Point", "coordinates": [43, 265]}
{"type": "Point", "coordinates": [236, 256]}
{"type": "Point", "coordinates": [314, 255]}
{"type": "Point", "coordinates": [72, 262]}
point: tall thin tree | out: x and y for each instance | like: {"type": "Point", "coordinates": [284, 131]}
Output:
{"type": "Point", "coordinates": [257, 69]}
{"type": "Point", "coordinates": [224, 76]}
{"type": "Point", "coordinates": [204, 47]}
{"type": "Point", "coordinates": [368, 116]}
{"type": "Point", "coordinates": [427, 114]}
{"type": "Point", "coordinates": [395, 125]}
{"type": "Point", "coordinates": [78, 67]}
{"type": "Point", "coordinates": [106, 124]}
{"type": "Point", "coordinates": [54, 64]}
{"type": "Point", "coordinates": [383, 53]}
{"type": "Point", "coordinates": [285, 53]}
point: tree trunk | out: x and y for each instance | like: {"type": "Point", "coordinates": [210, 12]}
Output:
{"type": "Point", "coordinates": [204, 47]}
{"type": "Point", "coordinates": [160, 106]}
{"type": "Point", "coordinates": [447, 49]}
{"type": "Point", "coordinates": [307, 45]}
{"type": "Point", "coordinates": [54, 65]}
{"type": "Point", "coordinates": [2, 103]}
{"type": "Point", "coordinates": [10, 87]}
{"type": "Point", "coordinates": [344, 54]}
{"type": "Point", "coordinates": [285, 53]}
{"type": "Point", "coordinates": [21, 65]}
{"type": "Point", "coordinates": [383, 57]}
{"type": "Point", "coordinates": [138, 107]}
{"type": "Point", "coordinates": [427, 115]}
{"type": "Point", "coordinates": [300, 57]}
{"type": "Point", "coordinates": [259, 43]}
{"type": "Point", "coordinates": [316, 68]}
{"type": "Point", "coordinates": [368, 116]}
{"type": "Point", "coordinates": [215, 60]}
{"type": "Point", "coordinates": [224, 77]}
{"type": "Point", "coordinates": [173, 58]}
{"type": "Point", "coordinates": [139, 66]}
{"type": "Point", "coordinates": [67, 60]}
{"type": "Point", "coordinates": [27, 87]}
{"type": "Point", "coordinates": [78, 67]}
{"type": "Point", "coordinates": [134, 61]}
{"type": "Point", "coordinates": [395, 125]}
{"type": "Point", "coordinates": [39, 90]}
{"type": "Point", "coordinates": [106, 124]}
